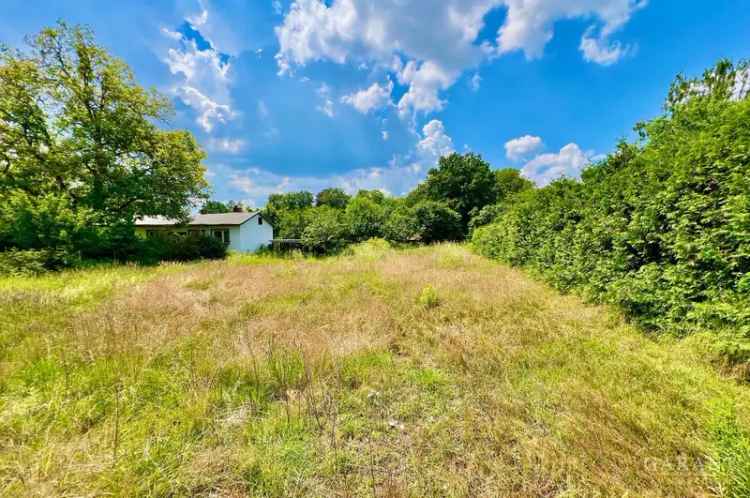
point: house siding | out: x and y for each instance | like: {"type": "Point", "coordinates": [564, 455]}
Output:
{"type": "Point", "coordinates": [248, 237]}
{"type": "Point", "coordinates": [255, 236]}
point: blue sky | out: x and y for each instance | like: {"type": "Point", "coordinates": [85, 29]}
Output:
{"type": "Point", "coordinates": [368, 93]}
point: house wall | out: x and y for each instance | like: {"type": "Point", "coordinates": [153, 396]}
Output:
{"type": "Point", "coordinates": [248, 237]}
{"type": "Point", "coordinates": [253, 236]}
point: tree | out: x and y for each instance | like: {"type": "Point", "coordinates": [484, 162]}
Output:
{"type": "Point", "coordinates": [280, 203]}
{"type": "Point", "coordinates": [437, 222]}
{"type": "Point", "coordinates": [365, 218]}
{"type": "Point", "coordinates": [465, 183]}
{"type": "Point", "coordinates": [77, 128]}
{"type": "Point", "coordinates": [402, 225]}
{"type": "Point", "coordinates": [326, 232]}
{"type": "Point", "coordinates": [333, 197]}
{"type": "Point", "coordinates": [509, 181]}
{"type": "Point", "coordinates": [292, 223]}
{"type": "Point", "coordinates": [214, 207]}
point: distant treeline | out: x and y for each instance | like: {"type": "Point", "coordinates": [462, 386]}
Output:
{"type": "Point", "coordinates": [661, 227]}
{"type": "Point", "coordinates": [442, 208]}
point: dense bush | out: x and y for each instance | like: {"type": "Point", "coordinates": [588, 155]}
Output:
{"type": "Point", "coordinates": [169, 247]}
{"type": "Point", "coordinates": [327, 233]}
{"type": "Point", "coordinates": [661, 227]}
{"type": "Point", "coordinates": [16, 262]}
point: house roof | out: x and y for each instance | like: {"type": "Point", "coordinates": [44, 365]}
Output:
{"type": "Point", "coordinates": [198, 219]}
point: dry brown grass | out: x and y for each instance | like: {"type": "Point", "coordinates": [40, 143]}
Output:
{"type": "Point", "coordinates": [330, 378]}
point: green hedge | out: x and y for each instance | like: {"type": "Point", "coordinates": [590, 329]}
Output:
{"type": "Point", "coordinates": [661, 227]}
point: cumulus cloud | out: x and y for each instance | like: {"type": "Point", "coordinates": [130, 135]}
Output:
{"type": "Point", "coordinates": [227, 145]}
{"type": "Point", "coordinates": [372, 98]}
{"type": "Point", "coordinates": [529, 25]}
{"type": "Point", "coordinates": [601, 50]}
{"type": "Point", "coordinates": [521, 147]}
{"type": "Point", "coordinates": [203, 71]}
{"type": "Point", "coordinates": [545, 168]}
{"type": "Point", "coordinates": [256, 184]}
{"type": "Point", "coordinates": [428, 45]}
{"type": "Point", "coordinates": [398, 177]}
{"type": "Point", "coordinates": [209, 111]}
{"type": "Point", "coordinates": [377, 32]}
{"type": "Point", "coordinates": [435, 142]}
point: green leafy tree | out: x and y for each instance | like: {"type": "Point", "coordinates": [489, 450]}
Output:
{"type": "Point", "coordinates": [437, 222]}
{"type": "Point", "coordinates": [278, 204]}
{"type": "Point", "coordinates": [509, 181]}
{"type": "Point", "coordinates": [76, 127]}
{"type": "Point", "coordinates": [465, 183]}
{"type": "Point", "coordinates": [333, 197]}
{"type": "Point", "coordinates": [214, 207]}
{"type": "Point", "coordinates": [292, 223]}
{"type": "Point", "coordinates": [660, 227]}
{"type": "Point", "coordinates": [402, 225]}
{"type": "Point", "coordinates": [365, 218]}
{"type": "Point", "coordinates": [326, 233]}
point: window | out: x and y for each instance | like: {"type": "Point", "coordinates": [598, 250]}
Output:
{"type": "Point", "coordinates": [260, 220]}
{"type": "Point", "coordinates": [222, 235]}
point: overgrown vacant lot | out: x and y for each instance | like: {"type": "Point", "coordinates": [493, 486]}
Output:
{"type": "Point", "coordinates": [425, 372]}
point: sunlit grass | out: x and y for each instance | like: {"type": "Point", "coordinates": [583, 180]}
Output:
{"type": "Point", "coordinates": [420, 372]}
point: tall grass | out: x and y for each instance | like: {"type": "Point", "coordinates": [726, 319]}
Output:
{"type": "Point", "coordinates": [421, 372]}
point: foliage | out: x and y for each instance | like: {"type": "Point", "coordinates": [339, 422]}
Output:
{"type": "Point", "coordinates": [278, 204]}
{"type": "Point", "coordinates": [402, 225]}
{"type": "Point", "coordinates": [465, 183]}
{"type": "Point", "coordinates": [332, 197]}
{"type": "Point", "coordinates": [214, 207]}
{"type": "Point", "coordinates": [326, 233]}
{"type": "Point", "coordinates": [509, 181]}
{"type": "Point", "coordinates": [364, 218]}
{"type": "Point", "coordinates": [428, 297]}
{"type": "Point", "coordinates": [181, 247]}
{"type": "Point", "coordinates": [17, 262]}
{"type": "Point", "coordinates": [79, 146]}
{"type": "Point", "coordinates": [437, 222]}
{"type": "Point", "coordinates": [660, 227]}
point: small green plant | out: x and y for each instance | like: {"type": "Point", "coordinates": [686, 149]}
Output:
{"type": "Point", "coordinates": [428, 298]}
{"type": "Point", "coordinates": [729, 462]}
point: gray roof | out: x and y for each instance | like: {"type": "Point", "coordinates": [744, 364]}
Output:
{"type": "Point", "coordinates": [198, 219]}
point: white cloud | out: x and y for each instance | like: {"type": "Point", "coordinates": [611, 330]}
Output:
{"type": "Point", "coordinates": [209, 111]}
{"type": "Point", "coordinates": [521, 147]}
{"type": "Point", "coordinates": [326, 107]}
{"type": "Point", "coordinates": [384, 135]}
{"type": "Point", "coordinates": [425, 81]}
{"type": "Point", "coordinates": [428, 45]}
{"type": "Point", "coordinates": [435, 40]}
{"type": "Point", "coordinates": [741, 87]}
{"type": "Point", "coordinates": [277, 7]}
{"type": "Point", "coordinates": [374, 97]}
{"type": "Point", "coordinates": [529, 25]}
{"type": "Point", "coordinates": [198, 20]}
{"type": "Point", "coordinates": [400, 176]}
{"type": "Point", "coordinates": [600, 50]}
{"type": "Point", "coordinates": [475, 82]}
{"type": "Point", "coordinates": [227, 145]}
{"type": "Point", "coordinates": [545, 168]}
{"type": "Point", "coordinates": [204, 75]}
{"type": "Point", "coordinates": [435, 142]}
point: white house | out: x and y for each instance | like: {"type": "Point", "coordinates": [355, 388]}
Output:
{"type": "Point", "coordinates": [242, 232]}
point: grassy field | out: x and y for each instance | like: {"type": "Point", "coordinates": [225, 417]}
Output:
{"type": "Point", "coordinates": [422, 372]}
